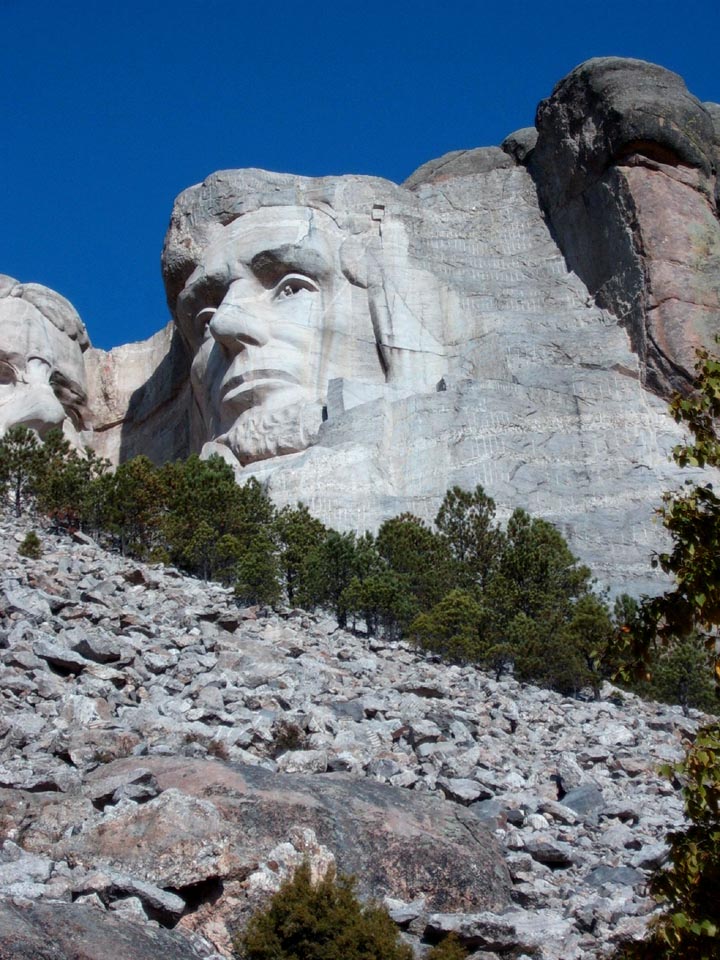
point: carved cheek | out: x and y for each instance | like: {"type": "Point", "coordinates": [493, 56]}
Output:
{"type": "Point", "coordinates": [297, 321]}
{"type": "Point", "coordinates": [204, 371]}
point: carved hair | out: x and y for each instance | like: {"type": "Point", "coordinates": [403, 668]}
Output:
{"type": "Point", "coordinates": [54, 308]}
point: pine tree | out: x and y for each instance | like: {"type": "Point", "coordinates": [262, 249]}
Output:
{"type": "Point", "coordinates": [257, 571]}
{"type": "Point", "coordinates": [30, 546]}
{"type": "Point", "coordinates": [536, 576]}
{"type": "Point", "coordinates": [62, 481]}
{"type": "Point", "coordinates": [134, 506]}
{"type": "Point", "coordinates": [20, 462]}
{"type": "Point", "coordinates": [383, 600]}
{"type": "Point", "coordinates": [682, 674]}
{"type": "Point", "coordinates": [328, 571]}
{"type": "Point", "coordinates": [451, 628]}
{"type": "Point", "coordinates": [298, 534]}
{"type": "Point", "coordinates": [467, 522]}
{"type": "Point", "coordinates": [320, 921]}
{"type": "Point", "coordinates": [412, 550]}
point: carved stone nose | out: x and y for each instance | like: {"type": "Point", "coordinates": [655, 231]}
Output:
{"type": "Point", "coordinates": [237, 327]}
{"type": "Point", "coordinates": [237, 324]}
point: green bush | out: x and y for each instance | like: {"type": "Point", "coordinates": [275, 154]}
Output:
{"type": "Point", "coordinates": [683, 674]}
{"type": "Point", "coordinates": [320, 921]}
{"type": "Point", "coordinates": [451, 628]}
{"type": "Point", "coordinates": [31, 546]}
{"type": "Point", "coordinates": [449, 948]}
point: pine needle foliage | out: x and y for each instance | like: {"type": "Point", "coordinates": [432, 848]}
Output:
{"type": "Point", "coordinates": [320, 921]}
{"type": "Point", "coordinates": [31, 546]}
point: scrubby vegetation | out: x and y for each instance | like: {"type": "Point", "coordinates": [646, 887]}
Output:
{"type": "Point", "coordinates": [671, 644]}
{"type": "Point", "coordinates": [509, 598]}
{"type": "Point", "coordinates": [30, 546]}
{"type": "Point", "coordinates": [320, 921]}
{"type": "Point", "coordinates": [668, 647]}
{"type": "Point", "coordinates": [467, 589]}
{"type": "Point", "coordinates": [689, 926]}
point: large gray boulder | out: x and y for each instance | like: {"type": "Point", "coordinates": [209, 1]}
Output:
{"type": "Point", "coordinates": [59, 931]}
{"type": "Point", "coordinates": [215, 820]}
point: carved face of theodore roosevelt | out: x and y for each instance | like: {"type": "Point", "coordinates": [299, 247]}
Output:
{"type": "Point", "coordinates": [42, 378]}
{"type": "Point", "coordinates": [271, 318]}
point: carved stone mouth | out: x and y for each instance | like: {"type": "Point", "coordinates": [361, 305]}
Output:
{"type": "Point", "coordinates": [255, 380]}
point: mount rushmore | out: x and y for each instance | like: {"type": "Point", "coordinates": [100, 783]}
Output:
{"type": "Point", "coordinates": [512, 316]}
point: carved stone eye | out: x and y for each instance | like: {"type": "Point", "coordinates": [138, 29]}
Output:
{"type": "Point", "coordinates": [293, 284]}
{"type": "Point", "coordinates": [203, 318]}
{"type": "Point", "coordinates": [8, 377]}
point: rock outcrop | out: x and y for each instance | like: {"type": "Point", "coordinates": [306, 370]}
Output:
{"type": "Point", "coordinates": [513, 317]}
{"type": "Point", "coordinates": [140, 399]}
{"type": "Point", "coordinates": [166, 758]}
{"type": "Point", "coordinates": [510, 316]}
{"type": "Point", "coordinates": [626, 168]}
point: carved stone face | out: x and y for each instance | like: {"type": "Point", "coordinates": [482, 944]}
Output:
{"type": "Point", "coordinates": [271, 318]}
{"type": "Point", "coordinates": [42, 379]}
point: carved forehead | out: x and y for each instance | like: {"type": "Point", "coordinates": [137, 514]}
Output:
{"type": "Point", "coordinates": [26, 333]}
{"type": "Point", "coordinates": [298, 237]}
{"type": "Point", "coordinates": [232, 196]}
{"type": "Point", "coordinates": [51, 305]}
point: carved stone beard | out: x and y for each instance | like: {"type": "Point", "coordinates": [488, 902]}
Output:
{"type": "Point", "coordinates": [262, 434]}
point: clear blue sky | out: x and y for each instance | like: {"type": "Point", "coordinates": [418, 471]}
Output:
{"type": "Point", "coordinates": [111, 109]}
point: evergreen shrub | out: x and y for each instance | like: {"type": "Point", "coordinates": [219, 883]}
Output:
{"type": "Point", "coordinates": [31, 546]}
{"type": "Point", "coordinates": [320, 921]}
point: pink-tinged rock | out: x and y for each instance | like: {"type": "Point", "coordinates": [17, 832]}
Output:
{"type": "Point", "coordinates": [218, 819]}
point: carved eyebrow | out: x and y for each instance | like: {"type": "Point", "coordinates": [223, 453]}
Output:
{"type": "Point", "coordinates": [270, 266]}
{"type": "Point", "coordinates": [207, 290]}
{"type": "Point", "coordinates": [207, 284]}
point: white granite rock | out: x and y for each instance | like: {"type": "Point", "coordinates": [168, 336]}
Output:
{"type": "Point", "coordinates": [582, 822]}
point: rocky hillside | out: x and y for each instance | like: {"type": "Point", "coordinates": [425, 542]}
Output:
{"type": "Point", "coordinates": [167, 758]}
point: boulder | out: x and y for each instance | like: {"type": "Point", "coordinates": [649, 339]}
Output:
{"type": "Point", "coordinates": [215, 819]}
{"type": "Point", "coordinates": [52, 931]}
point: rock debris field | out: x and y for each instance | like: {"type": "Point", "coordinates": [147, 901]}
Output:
{"type": "Point", "coordinates": [167, 758]}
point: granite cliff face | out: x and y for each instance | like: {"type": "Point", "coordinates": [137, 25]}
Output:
{"type": "Point", "coordinates": [514, 317]}
{"type": "Point", "coordinates": [626, 167]}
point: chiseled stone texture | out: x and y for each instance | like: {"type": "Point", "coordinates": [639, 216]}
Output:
{"type": "Point", "coordinates": [540, 398]}
{"type": "Point", "coordinates": [510, 316]}
{"type": "Point", "coordinates": [140, 399]}
{"type": "Point", "coordinates": [42, 376]}
{"type": "Point", "coordinates": [439, 337]}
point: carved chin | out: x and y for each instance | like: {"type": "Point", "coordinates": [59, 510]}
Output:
{"type": "Point", "coordinates": [261, 435]}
